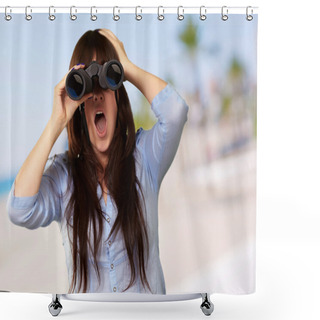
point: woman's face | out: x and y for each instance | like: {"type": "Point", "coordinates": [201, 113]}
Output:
{"type": "Point", "coordinates": [101, 116]}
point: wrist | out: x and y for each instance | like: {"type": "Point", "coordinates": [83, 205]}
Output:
{"type": "Point", "coordinates": [54, 129]}
{"type": "Point", "coordinates": [130, 71]}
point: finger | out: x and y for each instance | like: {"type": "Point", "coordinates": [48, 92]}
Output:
{"type": "Point", "coordinates": [61, 85]}
{"type": "Point", "coordinates": [111, 34]}
{"type": "Point", "coordinates": [104, 31]}
{"type": "Point", "coordinates": [74, 104]}
{"type": "Point", "coordinates": [85, 97]}
{"type": "Point", "coordinates": [118, 45]}
{"type": "Point", "coordinates": [108, 34]}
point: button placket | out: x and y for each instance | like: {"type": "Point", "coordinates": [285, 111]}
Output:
{"type": "Point", "coordinates": [113, 277]}
{"type": "Point", "coordinates": [112, 270]}
{"type": "Point", "coordinates": [109, 206]}
{"type": "Point", "coordinates": [108, 210]}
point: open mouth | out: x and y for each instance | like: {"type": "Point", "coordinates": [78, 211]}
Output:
{"type": "Point", "coordinates": [100, 122]}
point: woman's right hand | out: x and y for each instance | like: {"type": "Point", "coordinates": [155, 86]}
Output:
{"type": "Point", "coordinates": [63, 106]}
{"type": "Point", "coordinates": [28, 180]}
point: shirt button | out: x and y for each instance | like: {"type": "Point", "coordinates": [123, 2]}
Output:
{"type": "Point", "coordinates": [112, 266]}
{"type": "Point", "coordinates": [109, 242]}
{"type": "Point", "coordinates": [108, 219]}
{"type": "Point", "coordinates": [114, 289]}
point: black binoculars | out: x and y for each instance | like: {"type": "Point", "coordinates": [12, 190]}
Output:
{"type": "Point", "coordinates": [81, 81]}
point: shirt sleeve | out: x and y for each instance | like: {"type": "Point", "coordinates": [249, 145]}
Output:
{"type": "Point", "coordinates": [42, 208]}
{"type": "Point", "coordinates": [162, 141]}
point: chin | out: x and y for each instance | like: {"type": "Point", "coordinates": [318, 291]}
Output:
{"type": "Point", "coordinates": [101, 147]}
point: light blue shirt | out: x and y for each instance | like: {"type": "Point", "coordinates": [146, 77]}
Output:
{"type": "Point", "coordinates": [154, 153]}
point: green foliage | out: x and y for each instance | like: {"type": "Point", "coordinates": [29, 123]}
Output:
{"type": "Point", "coordinates": [144, 117]}
{"type": "Point", "coordinates": [226, 105]}
{"type": "Point", "coordinates": [189, 36]}
{"type": "Point", "coordinates": [236, 69]}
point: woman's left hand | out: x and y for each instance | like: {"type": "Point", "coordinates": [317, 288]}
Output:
{"type": "Point", "coordinates": [118, 45]}
{"type": "Point", "coordinates": [149, 84]}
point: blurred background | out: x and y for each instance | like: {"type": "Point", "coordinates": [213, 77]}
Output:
{"type": "Point", "coordinates": [210, 190]}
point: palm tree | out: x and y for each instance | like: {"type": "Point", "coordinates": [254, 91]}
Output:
{"type": "Point", "coordinates": [189, 37]}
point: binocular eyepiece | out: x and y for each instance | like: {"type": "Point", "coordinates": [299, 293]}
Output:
{"type": "Point", "coordinates": [81, 81]}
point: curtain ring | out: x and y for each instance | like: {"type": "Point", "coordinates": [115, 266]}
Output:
{"type": "Point", "coordinates": [73, 16]}
{"type": "Point", "coordinates": [138, 16]}
{"type": "Point", "coordinates": [160, 16]}
{"type": "Point", "coordinates": [93, 16]}
{"type": "Point", "coordinates": [180, 16]}
{"type": "Point", "coordinates": [249, 17]}
{"type": "Point", "coordinates": [28, 16]}
{"type": "Point", "coordinates": [224, 16]}
{"type": "Point", "coordinates": [7, 16]}
{"type": "Point", "coordinates": [51, 16]}
{"type": "Point", "coordinates": [116, 17]}
{"type": "Point", "coordinates": [203, 15]}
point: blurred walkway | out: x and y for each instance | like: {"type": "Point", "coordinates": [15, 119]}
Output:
{"type": "Point", "coordinates": [207, 214]}
{"type": "Point", "coordinates": [31, 260]}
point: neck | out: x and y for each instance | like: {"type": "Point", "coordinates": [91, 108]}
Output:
{"type": "Point", "coordinates": [103, 160]}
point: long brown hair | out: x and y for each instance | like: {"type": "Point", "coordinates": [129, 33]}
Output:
{"type": "Point", "coordinates": [84, 210]}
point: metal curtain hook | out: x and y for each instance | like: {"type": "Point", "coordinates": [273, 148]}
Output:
{"type": "Point", "coordinates": [180, 16]}
{"type": "Point", "coordinates": [249, 17]}
{"type": "Point", "coordinates": [51, 16]}
{"type": "Point", "coordinates": [7, 16]}
{"type": "Point", "coordinates": [93, 16]}
{"type": "Point", "coordinates": [224, 16]}
{"type": "Point", "coordinates": [28, 16]}
{"type": "Point", "coordinates": [116, 17]}
{"type": "Point", "coordinates": [203, 15]}
{"type": "Point", "coordinates": [73, 16]}
{"type": "Point", "coordinates": [160, 16]}
{"type": "Point", "coordinates": [138, 16]}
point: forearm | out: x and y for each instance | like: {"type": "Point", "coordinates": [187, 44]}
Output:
{"type": "Point", "coordinates": [149, 84]}
{"type": "Point", "coordinates": [27, 182]}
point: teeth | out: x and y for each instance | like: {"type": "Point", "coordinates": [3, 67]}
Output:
{"type": "Point", "coordinates": [98, 113]}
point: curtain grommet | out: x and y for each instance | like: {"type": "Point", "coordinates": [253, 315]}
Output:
{"type": "Point", "coordinates": [93, 17]}
{"type": "Point", "coordinates": [180, 15]}
{"type": "Point", "coordinates": [7, 16]}
{"type": "Point", "coordinates": [224, 13]}
{"type": "Point", "coordinates": [203, 16]}
{"type": "Point", "coordinates": [52, 16]}
{"type": "Point", "coordinates": [73, 17]}
{"type": "Point", "coordinates": [249, 17]}
{"type": "Point", "coordinates": [28, 16]}
{"type": "Point", "coordinates": [160, 16]}
{"type": "Point", "coordinates": [138, 16]}
{"type": "Point", "coordinates": [116, 17]}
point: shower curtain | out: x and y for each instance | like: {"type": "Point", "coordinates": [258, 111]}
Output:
{"type": "Point", "coordinates": [201, 224]}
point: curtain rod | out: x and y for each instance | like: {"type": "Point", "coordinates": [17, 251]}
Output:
{"type": "Point", "coordinates": [129, 10]}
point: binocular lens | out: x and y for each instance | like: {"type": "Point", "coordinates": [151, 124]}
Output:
{"type": "Point", "coordinates": [109, 75]}
{"type": "Point", "coordinates": [113, 75]}
{"type": "Point", "coordinates": [75, 86]}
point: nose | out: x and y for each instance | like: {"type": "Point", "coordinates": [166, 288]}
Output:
{"type": "Point", "coordinates": [98, 96]}
{"type": "Point", "coordinates": [97, 93]}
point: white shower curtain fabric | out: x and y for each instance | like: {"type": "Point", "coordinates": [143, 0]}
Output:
{"type": "Point", "coordinates": [194, 154]}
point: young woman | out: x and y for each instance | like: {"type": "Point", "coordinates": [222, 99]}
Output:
{"type": "Point", "coordinates": [103, 192]}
